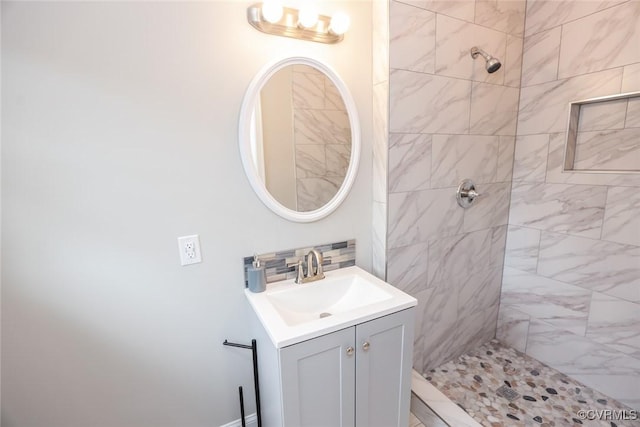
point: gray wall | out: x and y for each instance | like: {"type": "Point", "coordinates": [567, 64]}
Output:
{"type": "Point", "coordinates": [120, 134]}
{"type": "Point", "coordinates": [449, 119]}
{"type": "Point", "coordinates": [571, 287]}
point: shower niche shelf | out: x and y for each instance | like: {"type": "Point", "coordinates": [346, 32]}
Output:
{"type": "Point", "coordinates": [603, 134]}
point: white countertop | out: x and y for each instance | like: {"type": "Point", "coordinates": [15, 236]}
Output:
{"type": "Point", "coordinates": [284, 331]}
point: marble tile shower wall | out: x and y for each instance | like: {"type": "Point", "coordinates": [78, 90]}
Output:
{"type": "Point", "coordinates": [448, 120]}
{"type": "Point", "coordinates": [571, 285]}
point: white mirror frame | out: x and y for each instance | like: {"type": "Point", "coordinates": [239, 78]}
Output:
{"type": "Point", "coordinates": [244, 133]}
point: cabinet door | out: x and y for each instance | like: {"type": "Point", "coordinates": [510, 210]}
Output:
{"type": "Point", "coordinates": [318, 381]}
{"type": "Point", "coordinates": [383, 370]}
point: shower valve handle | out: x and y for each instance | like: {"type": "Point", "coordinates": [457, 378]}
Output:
{"type": "Point", "coordinates": [466, 193]}
{"type": "Point", "coordinates": [471, 194]}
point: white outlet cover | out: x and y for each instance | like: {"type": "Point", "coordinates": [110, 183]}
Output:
{"type": "Point", "coordinates": [189, 247]}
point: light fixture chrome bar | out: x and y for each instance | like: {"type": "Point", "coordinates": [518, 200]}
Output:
{"type": "Point", "coordinates": [287, 26]}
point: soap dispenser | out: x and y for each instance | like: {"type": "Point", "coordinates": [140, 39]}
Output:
{"type": "Point", "coordinates": [256, 276]}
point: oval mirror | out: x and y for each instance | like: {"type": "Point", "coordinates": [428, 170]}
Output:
{"type": "Point", "coordinates": [299, 138]}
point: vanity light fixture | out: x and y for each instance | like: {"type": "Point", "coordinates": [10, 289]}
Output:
{"type": "Point", "coordinates": [272, 17]}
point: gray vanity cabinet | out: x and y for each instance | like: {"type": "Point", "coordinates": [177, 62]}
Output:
{"type": "Point", "coordinates": [359, 376]}
{"type": "Point", "coordinates": [319, 380]}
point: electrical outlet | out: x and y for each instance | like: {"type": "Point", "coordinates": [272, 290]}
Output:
{"type": "Point", "coordinates": [189, 247]}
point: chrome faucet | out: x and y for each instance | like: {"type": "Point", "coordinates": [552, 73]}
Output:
{"type": "Point", "coordinates": [312, 274]}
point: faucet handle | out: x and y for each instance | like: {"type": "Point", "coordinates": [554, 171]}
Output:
{"type": "Point", "coordinates": [300, 273]}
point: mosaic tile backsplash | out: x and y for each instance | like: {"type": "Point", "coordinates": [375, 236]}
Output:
{"type": "Point", "coordinates": [282, 265]}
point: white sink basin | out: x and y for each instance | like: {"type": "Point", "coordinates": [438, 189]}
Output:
{"type": "Point", "coordinates": [291, 313]}
{"type": "Point", "coordinates": [316, 300]}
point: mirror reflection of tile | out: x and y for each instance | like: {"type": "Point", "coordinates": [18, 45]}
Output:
{"type": "Point", "coordinates": [322, 138]}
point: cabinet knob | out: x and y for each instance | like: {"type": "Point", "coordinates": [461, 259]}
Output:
{"type": "Point", "coordinates": [350, 351]}
{"type": "Point", "coordinates": [366, 345]}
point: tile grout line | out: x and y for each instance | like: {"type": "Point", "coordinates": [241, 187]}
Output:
{"type": "Point", "coordinates": [581, 17]}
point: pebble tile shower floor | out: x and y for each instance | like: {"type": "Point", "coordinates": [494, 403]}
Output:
{"type": "Point", "coordinates": [499, 386]}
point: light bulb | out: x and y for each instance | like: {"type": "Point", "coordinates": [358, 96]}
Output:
{"type": "Point", "coordinates": [307, 16]}
{"type": "Point", "coordinates": [272, 11]}
{"type": "Point", "coordinates": [339, 23]}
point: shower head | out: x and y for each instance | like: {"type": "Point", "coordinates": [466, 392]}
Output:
{"type": "Point", "coordinates": [493, 64]}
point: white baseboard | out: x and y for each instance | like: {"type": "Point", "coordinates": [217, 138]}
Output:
{"type": "Point", "coordinates": [251, 420]}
